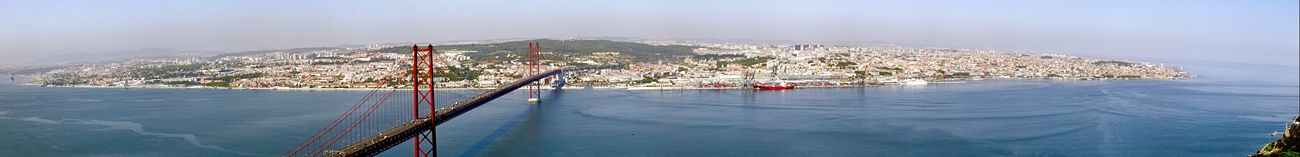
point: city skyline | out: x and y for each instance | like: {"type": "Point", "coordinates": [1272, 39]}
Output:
{"type": "Point", "coordinates": [1262, 32]}
{"type": "Point", "coordinates": [650, 78]}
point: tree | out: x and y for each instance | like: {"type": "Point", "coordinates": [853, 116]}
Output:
{"type": "Point", "coordinates": [647, 79]}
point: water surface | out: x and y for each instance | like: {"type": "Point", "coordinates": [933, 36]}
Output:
{"type": "Point", "coordinates": [1220, 113]}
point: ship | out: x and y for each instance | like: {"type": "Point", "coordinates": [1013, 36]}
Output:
{"type": "Point", "coordinates": [654, 86]}
{"type": "Point", "coordinates": [914, 82]}
{"type": "Point", "coordinates": [778, 86]}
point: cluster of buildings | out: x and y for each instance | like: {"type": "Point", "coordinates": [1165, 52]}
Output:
{"type": "Point", "coordinates": [819, 65]}
{"type": "Point", "coordinates": [714, 66]}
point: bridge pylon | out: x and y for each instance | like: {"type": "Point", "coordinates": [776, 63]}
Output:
{"type": "Point", "coordinates": [422, 77]}
{"type": "Point", "coordinates": [534, 68]}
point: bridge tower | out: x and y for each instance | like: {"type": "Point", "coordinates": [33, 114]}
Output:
{"type": "Point", "coordinates": [534, 68]}
{"type": "Point", "coordinates": [422, 77]}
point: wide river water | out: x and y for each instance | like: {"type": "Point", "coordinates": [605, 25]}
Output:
{"type": "Point", "coordinates": [1229, 110]}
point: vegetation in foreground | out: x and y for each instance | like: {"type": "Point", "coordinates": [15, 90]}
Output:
{"type": "Point", "coordinates": [1287, 146]}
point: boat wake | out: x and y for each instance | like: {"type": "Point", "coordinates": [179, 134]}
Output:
{"type": "Point", "coordinates": [130, 126]}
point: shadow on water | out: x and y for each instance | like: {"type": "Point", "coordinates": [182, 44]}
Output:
{"type": "Point", "coordinates": [524, 115]}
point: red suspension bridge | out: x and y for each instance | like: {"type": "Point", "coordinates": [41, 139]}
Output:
{"type": "Point", "coordinates": [375, 124]}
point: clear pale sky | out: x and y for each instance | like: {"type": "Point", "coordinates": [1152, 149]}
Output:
{"type": "Point", "coordinates": [1263, 31]}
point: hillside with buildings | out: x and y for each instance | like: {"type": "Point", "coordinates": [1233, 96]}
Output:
{"type": "Point", "coordinates": [671, 63]}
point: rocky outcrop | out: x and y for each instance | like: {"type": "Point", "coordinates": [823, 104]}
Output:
{"type": "Point", "coordinates": [1285, 146]}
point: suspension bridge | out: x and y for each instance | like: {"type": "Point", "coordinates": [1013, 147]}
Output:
{"type": "Point", "coordinates": [375, 123]}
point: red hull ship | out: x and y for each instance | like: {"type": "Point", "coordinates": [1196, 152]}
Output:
{"type": "Point", "coordinates": [772, 87]}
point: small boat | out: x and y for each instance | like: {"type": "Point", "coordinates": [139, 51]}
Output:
{"type": "Point", "coordinates": [888, 81]}
{"type": "Point", "coordinates": [778, 86]}
{"type": "Point", "coordinates": [916, 82]}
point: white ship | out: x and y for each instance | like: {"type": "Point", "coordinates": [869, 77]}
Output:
{"type": "Point", "coordinates": [914, 82]}
{"type": "Point", "coordinates": [654, 86]}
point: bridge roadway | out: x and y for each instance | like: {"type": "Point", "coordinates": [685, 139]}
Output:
{"type": "Point", "coordinates": [392, 137]}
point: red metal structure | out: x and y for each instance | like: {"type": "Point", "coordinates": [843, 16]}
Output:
{"type": "Point", "coordinates": [422, 77]}
{"type": "Point", "coordinates": [380, 119]}
{"type": "Point", "coordinates": [376, 123]}
{"type": "Point", "coordinates": [534, 68]}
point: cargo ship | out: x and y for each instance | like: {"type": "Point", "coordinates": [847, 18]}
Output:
{"type": "Point", "coordinates": [779, 86]}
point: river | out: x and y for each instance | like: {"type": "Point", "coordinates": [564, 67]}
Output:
{"type": "Point", "coordinates": [1228, 110]}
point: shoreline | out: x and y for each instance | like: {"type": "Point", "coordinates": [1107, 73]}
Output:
{"type": "Point", "coordinates": [628, 88]}
{"type": "Point", "coordinates": [235, 88]}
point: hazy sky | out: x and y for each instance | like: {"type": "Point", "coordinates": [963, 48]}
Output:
{"type": "Point", "coordinates": [1264, 31]}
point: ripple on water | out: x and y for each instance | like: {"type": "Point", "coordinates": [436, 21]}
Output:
{"type": "Point", "coordinates": [643, 110]}
{"type": "Point", "coordinates": [136, 128]}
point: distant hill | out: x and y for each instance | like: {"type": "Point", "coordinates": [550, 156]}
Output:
{"type": "Point", "coordinates": [258, 52]}
{"type": "Point", "coordinates": [643, 52]}
{"type": "Point", "coordinates": [107, 56]}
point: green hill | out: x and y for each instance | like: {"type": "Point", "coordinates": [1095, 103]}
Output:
{"type": "Point", "coordinates": [641, 52]}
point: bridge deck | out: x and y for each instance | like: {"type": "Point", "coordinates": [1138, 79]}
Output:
{"type": "Point", "coordinates": [387, 139]}
{"type": "Point", "coordinates": [392, 137]}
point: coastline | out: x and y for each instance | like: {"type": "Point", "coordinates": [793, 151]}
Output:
{"type": "Point", "coordinates": [629, 88]}
{"type": "Point", "coordinates": [237, 88]}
